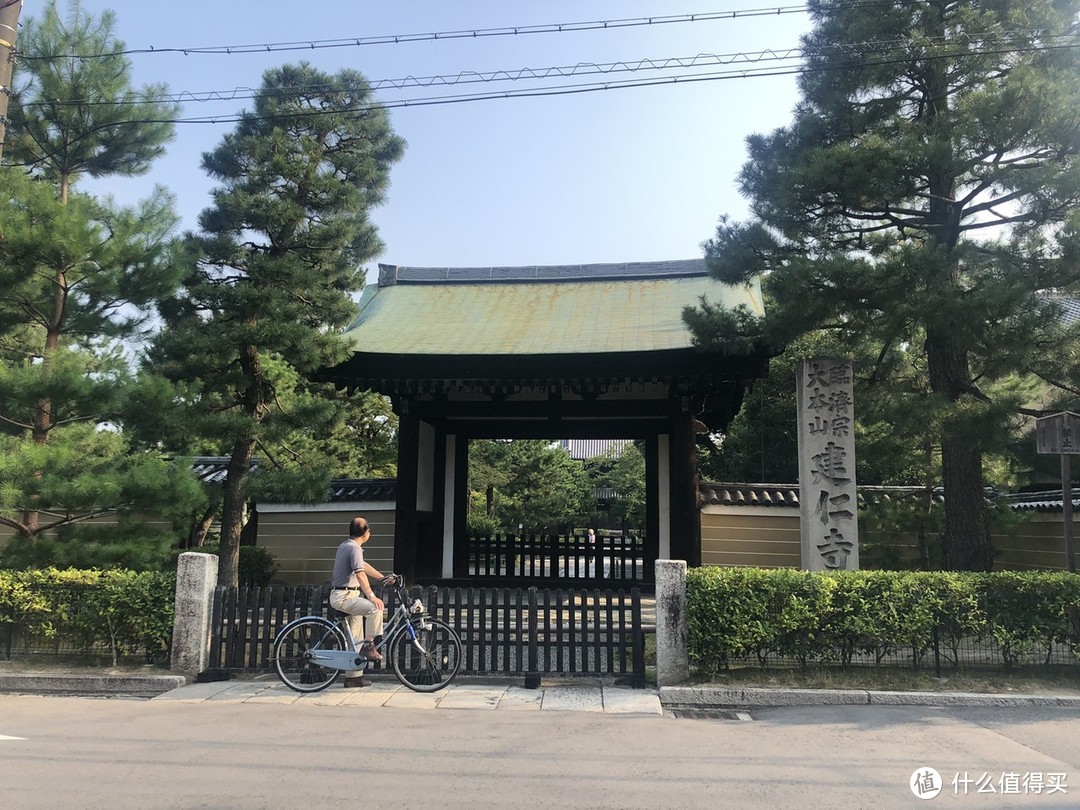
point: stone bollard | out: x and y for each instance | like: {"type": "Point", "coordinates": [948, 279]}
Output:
{"type": "Point", "coordinates": [196, 577]}
{"type": "Point", "coordinates": [672, 659]}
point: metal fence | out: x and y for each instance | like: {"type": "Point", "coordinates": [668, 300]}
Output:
{"type": "Point", "coordinates": [66, 623]}
{"type": "Point", "coordinates": [504, 631]}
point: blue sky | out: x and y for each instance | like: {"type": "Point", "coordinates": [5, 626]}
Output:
{"type": "Point", "coordinates": [638, 174]}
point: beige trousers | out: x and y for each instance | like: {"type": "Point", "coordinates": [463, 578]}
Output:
{"type": "Point", "coordinates": [362, 612]}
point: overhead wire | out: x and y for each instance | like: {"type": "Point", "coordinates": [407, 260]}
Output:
{"type": "Point", "coordinates": [464, 77]}
{"type": "Point", "coordinates": [751, 61]}
{"type": "Point", "coordinates": [579, 69]}
{"type": "Point", "coordinates": [474, 33]}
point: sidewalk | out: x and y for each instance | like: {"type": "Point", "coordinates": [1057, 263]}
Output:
{"type": "Point", "coordinates": [584, 695]}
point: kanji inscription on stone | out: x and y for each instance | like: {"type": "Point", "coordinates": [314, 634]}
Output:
{"type": "Point", "coordinates": [830, 526]}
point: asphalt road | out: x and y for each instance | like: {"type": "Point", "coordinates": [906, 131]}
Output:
{"type": "Point", "coordinates": [114, 753]}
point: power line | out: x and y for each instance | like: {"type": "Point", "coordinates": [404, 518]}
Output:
{"type": "Point", "coordinates": [750, 58]}
{"type": "Point", "coordinates": [462, 77]}
{"type": "Point", "coordinates": [474, 33]}
{"type": "Point", "coordinates": [589, 87]}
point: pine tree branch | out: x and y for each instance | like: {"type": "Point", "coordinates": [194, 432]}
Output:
{"type": "Point", "coordinates": [269, 455]}
{"type": "Point", "coordinates": [989, 205]}
{"type": "Point", "coordinates": [979, 188]}
{"type": "Point", "coordinates": [17, 525]}
{"type": "Point", "coordinates": [82, 517]}
{"type": "Point", "coordinates": [76, 419]}
{"type": "Point", "coordinates": [1056, 383]}
{"type": "Point", "coordinates": [15, 424]}
{"type": "Point", "coordinates": [1001, 219]}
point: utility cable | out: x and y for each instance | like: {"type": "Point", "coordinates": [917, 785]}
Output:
{"type": "Point", "coordinates": [474, 33]}
{"type": "Point", "coordinates": [739, 73]}
{"type": "Point", "coordinates": [580, 69]}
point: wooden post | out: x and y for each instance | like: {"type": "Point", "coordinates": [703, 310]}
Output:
{"type": "Point", "coordinates": [1060, 433]}
{"type": "Point", "coordinates": [652, 508]}
{"type": "Point", "coordinates": [461, 510]}
{"type": "Point", "coordinates": [1067, 510]}
{"type": "Point", "coordinates": [405, 518]}
{"type": "Point", "coordinates": [9, 29]}
{"type": "Point", "coordinates": [532, 675]}
{"type": "Point", "coordinates": [685, 513]}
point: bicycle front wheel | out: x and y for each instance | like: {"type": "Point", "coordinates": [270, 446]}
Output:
{"type": "Point", "coordinates": [431, 660]}
{"type": "Point", "coordinates": [293, 650]}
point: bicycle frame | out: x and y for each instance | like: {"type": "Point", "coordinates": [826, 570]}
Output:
{"type": "Point", "coordinates": [400, 622]}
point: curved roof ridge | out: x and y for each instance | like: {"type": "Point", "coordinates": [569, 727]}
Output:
{"type": "Point", "coordinates": [390, 274]}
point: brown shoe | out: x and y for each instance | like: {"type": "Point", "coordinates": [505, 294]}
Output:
{"type": "Point", "coordinates": [356, 683]}
{"type": "Point", "coordinates": [367, 649]}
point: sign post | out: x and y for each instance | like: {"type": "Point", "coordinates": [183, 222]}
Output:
{"type": "Point", "coordinates": [1060, 433]}
{"type": "Point", "coordinates": [829, 524]}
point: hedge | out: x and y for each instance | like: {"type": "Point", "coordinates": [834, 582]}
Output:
{"type": "Point", "coordinates": [125, 612]}
{"type": "Point", "coordinates": [829, 618]}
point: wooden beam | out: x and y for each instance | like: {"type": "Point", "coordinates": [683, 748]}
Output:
{"type": "Point", "coordinates": [523, 429]}
{"type": "Point", "coordinates": [542, 409]}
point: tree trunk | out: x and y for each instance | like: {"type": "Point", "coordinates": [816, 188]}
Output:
{"type": "Point", "coordinates": [197, 535]}
{"type": "Point", "coordinates": [232, 512]}
{"type": "Point", "coordinates": [967, 535]}
{"type": "Point", "coordinates": [234, 498]}
{"type": "Point", "coordinates": [43, 418]}
{"type": "Point", "coordinates": [9, 29]}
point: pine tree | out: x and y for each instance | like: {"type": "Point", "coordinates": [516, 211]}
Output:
{"type": "Point", "coordinates": [925, 197]}
{"type": "Point", "coordinates": [269, 277]}
{"type": "Point", "coordinates": [79, 276]}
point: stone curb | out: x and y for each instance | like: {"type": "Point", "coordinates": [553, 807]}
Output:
{"type": "Point", "coordinates": [105, 685]}
{"type": "Point", "coordinates": [729, 697]}
{"type": "Point", "coordinates": [671, 697]}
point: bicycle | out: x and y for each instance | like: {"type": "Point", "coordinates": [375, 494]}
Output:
{"type": "Point", "coordinates": [425, 653]}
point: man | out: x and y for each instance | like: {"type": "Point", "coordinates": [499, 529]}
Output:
{"type": "Point", "coordinates": [351, 593]}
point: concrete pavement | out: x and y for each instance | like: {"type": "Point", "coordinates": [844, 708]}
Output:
{"type": "Point", "coordinates": [706, 697]}
{"type": "Point", "coordinates": [581, 695]}
{"type": "Point", "coordinates": [100, 684]}
{"type": "Point", "coordinates": [578, 695]}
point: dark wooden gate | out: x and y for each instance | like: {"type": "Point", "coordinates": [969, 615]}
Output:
{"type": "Point", "coordinates": [504, 631]}
{"type": "Point", "coordinates": [535, 558]}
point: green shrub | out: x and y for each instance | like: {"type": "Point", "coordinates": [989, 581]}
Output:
{"type": "Point", "coordinates": [256, 569]}
{"type": "Point", "coordinates": [128, 612]}
{"type": "Point", "coordinates": [736, 613]}
{"type": "Point", "coordinates": [479, 524]}
{"type": "Point", "coordinates": [1027, 610]}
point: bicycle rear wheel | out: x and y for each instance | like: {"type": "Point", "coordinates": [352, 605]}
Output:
{"type": "Point", "coordinates": [294, 646]}
{"type": "Point", "coordinates": [432, 661]}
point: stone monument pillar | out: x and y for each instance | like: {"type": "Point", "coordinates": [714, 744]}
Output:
{"type": "Point", "coordinates": [196, 578]}
{"type": "Point", "coordinates": [827, 499]}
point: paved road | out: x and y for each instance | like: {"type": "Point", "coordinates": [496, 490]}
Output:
{"type": "Point", "coordinates": [169, 753]}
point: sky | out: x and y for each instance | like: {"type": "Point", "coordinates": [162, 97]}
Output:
{"type": "Point", "coordinates": [616, 175]}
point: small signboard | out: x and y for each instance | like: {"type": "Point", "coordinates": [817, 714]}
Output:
{"type": "Point", "coordinates": [1058, 433]}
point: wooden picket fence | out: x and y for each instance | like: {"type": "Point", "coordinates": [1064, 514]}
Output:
{"type": "Point", "coordinates": [616, 560]}
{"type": "Point", "coordinates": [504, 631]}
